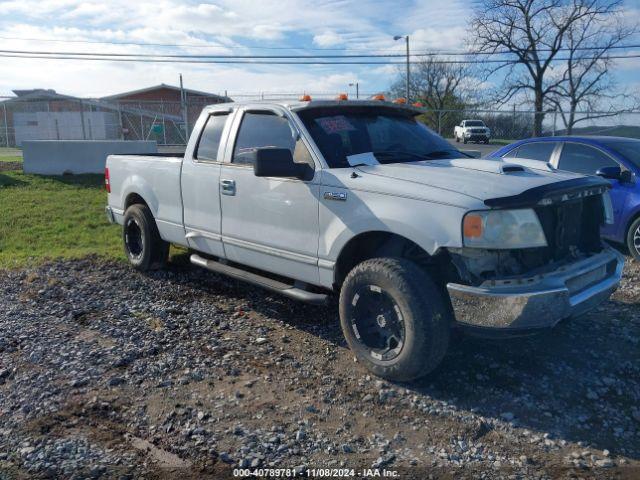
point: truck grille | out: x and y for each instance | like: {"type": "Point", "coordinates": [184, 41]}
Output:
{"type": "Point", "coordinates": [477, 130]}
{"type": "Point", "coordinates": [572, 227]}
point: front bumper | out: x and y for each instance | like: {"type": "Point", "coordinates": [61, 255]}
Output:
{"type": "Point", "coordinates": [477, 137]}
{"type": "Point", "coordinates": [521, 304]}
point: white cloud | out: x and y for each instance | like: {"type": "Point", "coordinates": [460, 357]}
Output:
{"type": "Point", "coordinates": [431, 39]}
{"type": "Point", "coordinates": [327, 39]}
{"type": "Point", "coordinates": [224, 27]}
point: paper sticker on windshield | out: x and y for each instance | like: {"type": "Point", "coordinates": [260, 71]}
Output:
{"type": "Point", "coordinates": [335, 124]}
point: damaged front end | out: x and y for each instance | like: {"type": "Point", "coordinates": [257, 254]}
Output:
{"type": "Point", "coordinates": [518, 290]}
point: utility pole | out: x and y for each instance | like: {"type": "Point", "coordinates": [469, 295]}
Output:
{"type": "Point", "coordinates": [183, 107]}
{"type": "Point", "coordinates": [84, 132]}
{"type": "Point", "coordinates": [408, 70]}
{"type": "Point", "coordinates": [406, 37]}
{"type": "Point", "coordinates": [357, 85]}
{"type": "Point", "coordinates": [6, 125]}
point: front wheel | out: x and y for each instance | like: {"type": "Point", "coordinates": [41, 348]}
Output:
{"type": "Point", "coordinates": [633, 239]}
{"type": "Point", "coordinates": [143, 245]}
{"type": "Point", "coordinates": [394, 318]}
{"type": "Point", "coordinates": [457, 139]}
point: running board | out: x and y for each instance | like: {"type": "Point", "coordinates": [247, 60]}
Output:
{"type": "Point", "coordinates": [262, 281]}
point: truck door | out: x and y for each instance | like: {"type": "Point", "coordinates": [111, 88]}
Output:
{"type": "Point", "coordinates": [269, 223]}
{"type": "Point", "coordinates": [200, 181]}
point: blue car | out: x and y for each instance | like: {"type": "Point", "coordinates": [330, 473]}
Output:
{"type": "Point", "coordinates": [614, 158]}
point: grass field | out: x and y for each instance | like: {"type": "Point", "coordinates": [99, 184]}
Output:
{"type": "Point", "coordinates": [45, 218]}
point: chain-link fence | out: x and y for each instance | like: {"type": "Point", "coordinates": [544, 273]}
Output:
{"type": "Point", "coordinates": [170, 123]}
{"type": "Point", "coordinates": [518, 124]}
{"type": "Point", "coordinates": [89, 119]}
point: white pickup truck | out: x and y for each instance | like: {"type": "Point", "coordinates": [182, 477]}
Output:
{"type": "Point", "coordinates": [472, 131]}
{"type": "Point", "coordinates": [360, 199]}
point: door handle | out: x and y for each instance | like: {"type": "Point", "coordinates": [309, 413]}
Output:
{"type": "Point", "coordinates": [228, 187]}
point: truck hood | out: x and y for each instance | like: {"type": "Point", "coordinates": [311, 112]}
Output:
{"type": "Point", "coordinates": [478, 179]}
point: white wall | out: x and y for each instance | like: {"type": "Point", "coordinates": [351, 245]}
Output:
{"type": "Point", "coordinates": [52, 157]}
{"type": "Point", "coordinates": [64, 126]}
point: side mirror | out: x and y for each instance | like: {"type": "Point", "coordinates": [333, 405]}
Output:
{"type": "Point", "coordinates": [278, 162]}
{"type": "Point", "coordinates": [612, 173]}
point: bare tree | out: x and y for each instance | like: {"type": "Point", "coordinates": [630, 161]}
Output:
{"type": "Point", "coordinates": [587, 79]}
{"type": "Point", "coordinates": [439, 87]}
{"type": "Point", "coordinates": [534, 31]}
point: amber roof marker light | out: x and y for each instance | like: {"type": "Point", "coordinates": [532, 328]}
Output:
{"type": "Point", "coordinates": [305, 97]}
{"type": "Point", "coordinates": [342, 96]}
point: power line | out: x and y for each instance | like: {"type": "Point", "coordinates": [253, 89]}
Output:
{"type": "Point", "coordinates": [256, 57]}
{"type": "Point", "coordinates": [195, 61]}
{"type": "Point", "coordinates": [162, 55]}
{"type": "Point", "coordinates": [185, 45]}
{"type": "Point", "coordinates": [259, 47]}
{"type": "Point", "coordinates": [234, 60]}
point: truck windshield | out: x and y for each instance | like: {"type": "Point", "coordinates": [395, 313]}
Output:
{"type": "Point", "coordinates": [391, 135]}
{"type": "Point", "coordinates": [474, 123]}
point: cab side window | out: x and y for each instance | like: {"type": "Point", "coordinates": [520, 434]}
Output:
{"type": "Point", "coordinates": [584, 159]}
{"type": "Point", "coordinates": [536, 151]}
{"type": "Point", "coordinates": [267, 130]}
{"type": "Point", "coordinates": [209, 143]}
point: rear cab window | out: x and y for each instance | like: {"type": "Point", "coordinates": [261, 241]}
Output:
{"type": "Point", "coordinates": [209, 143]}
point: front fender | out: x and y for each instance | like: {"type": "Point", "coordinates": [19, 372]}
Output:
{"type": "Point", "coordinates": [427, 224]}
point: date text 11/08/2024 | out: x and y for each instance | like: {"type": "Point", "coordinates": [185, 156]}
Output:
{"type": "Point", "coordinates": [315, 473]}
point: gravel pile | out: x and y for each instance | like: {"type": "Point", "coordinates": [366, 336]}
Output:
{"type": "Point", "coordinates": [107, 373]}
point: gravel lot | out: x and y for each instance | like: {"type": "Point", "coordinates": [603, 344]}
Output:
{"type": "Point", "coordinates": [105, 372]}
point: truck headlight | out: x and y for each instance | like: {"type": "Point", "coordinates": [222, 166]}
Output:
{"type": "Point", "coordinates": [503, 229]}
{"type": "Point", "coordinates": [608, 208]}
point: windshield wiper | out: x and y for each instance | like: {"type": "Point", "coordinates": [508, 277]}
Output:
{"type": "Point", "coordinates": [422, 156]}
{"type": "Point", "coordinates": [440, 153]}
{"type": "Point", "coordinates": [397, 154]}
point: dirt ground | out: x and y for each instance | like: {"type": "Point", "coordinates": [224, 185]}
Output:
{"type": "Point", "coordinates": [107, 373]}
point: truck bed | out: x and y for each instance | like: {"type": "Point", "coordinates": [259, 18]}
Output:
{"type": "Point", "coordinates": [156, 178]}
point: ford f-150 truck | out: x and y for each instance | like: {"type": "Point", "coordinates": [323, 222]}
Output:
{"type": "Point", "coordinates": [360, 199]}
{"type": "Point", "coordinates": [472, 131]}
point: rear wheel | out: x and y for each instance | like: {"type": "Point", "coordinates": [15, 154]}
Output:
{"type": "Point", "coordinates": [143, 245]}
{"type": "Point", "coordinates": [633, 239]}
{"type": "Point", "coordinates": [394, 318]}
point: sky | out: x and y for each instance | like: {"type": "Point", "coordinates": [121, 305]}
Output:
{"type": "Point", "coordinates": [230, 27]}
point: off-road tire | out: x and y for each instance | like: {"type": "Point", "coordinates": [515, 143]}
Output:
{"type": "Point", "coordinates": [427, 321]}
{"type": "Point", "coordinates": [632, 239]}
{"type": "Point", "coordinates": [149, 252]}
{"type": "Point", "coordinates": [464, 140]}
